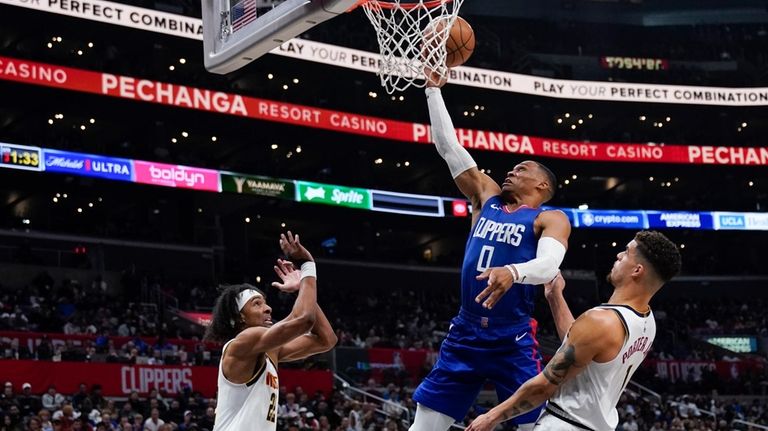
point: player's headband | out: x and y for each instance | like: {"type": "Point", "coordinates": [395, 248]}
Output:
{"type": "Point", "coordinates": [245, 296]}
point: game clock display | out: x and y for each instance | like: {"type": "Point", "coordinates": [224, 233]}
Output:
{"type": "Point", "coordinates": [20, 157]}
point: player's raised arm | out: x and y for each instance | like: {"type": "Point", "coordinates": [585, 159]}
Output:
{"type": "Point", "coordinates": [475, 185]}
{"type": "Point", "coordinates": [253, 341]}
{"type": "Point", "coordinates": [321, 338]}
{"type": "Point", "coordinates": [553, 291]}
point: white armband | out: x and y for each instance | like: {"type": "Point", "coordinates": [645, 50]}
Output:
{"type": "Point", "coordinates": [444, 135]}
{"type": "Point", "coordinates": [549, 255]}
{"type": "Point", "coordinates": [308, 269]}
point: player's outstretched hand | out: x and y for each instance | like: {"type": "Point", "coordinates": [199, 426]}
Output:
{"type": "Point", "coordinates": [482, 423]}
{"type": "Point", "coordinates": [500, 280]}
{"type": "Point", "coordinates": [554, 287]}
{"type": "Point", "coordinates": [293, 249]}
{"type": "Point", "coordinates": [289, 275]}
{"type": "Point", "coordinates": [434, 79]}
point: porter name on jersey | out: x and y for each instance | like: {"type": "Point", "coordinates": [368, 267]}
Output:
{"type": "Point", "coordinates": [640, 345]}
{"type": "Point", "coordinates": [508, 233]}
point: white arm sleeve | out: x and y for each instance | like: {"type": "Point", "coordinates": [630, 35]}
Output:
{"type": "Point", "coordinates": [444, 135]}
{"type": "Point", "coordinates": [542, 269]}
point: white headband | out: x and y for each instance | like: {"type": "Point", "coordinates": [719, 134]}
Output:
{"type": "Point", "coordinates": [245, 296]}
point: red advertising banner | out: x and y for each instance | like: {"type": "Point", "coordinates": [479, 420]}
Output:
{"type": "Point", "coordinates": [121, 379]}
{"type": "Point", "coordinates": [186, 177]}
{"type": "Point", "coordinates": [214, 101]}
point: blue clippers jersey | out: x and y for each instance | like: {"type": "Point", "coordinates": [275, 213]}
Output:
{"type": "Point", "coordinates": [499, 238]}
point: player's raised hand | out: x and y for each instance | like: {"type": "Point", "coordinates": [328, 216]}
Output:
{"type": "Point", "coordinates": [500, 280]}
{"type": "Point", "coordinates": [554, 287]}
{"type": "Point", "coordinates": [434, 78]}
{"type": "Point", "coordinates": [289, 275]}
{"type": "Point", "coordinates": [293, 249]}
{"type": "Point", "coordinates": [482, 423]}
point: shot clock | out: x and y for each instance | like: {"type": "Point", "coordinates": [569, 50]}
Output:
{"type": "Point", "coordinates": [20, 157]}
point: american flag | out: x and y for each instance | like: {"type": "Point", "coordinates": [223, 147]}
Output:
{"type": "Point", "coordinates": [242, 14]}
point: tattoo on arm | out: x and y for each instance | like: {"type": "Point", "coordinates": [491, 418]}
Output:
{"type": "Point", "coordinates": [558, 368]}
{"type": "Point", "coordinates": [521, 407]}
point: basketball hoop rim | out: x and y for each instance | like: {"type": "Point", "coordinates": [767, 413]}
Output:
{"type": "Point", "coordinates": [406, 6]}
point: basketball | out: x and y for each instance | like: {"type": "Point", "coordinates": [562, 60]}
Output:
{"type": "Point", "coordinates": [460, 44]}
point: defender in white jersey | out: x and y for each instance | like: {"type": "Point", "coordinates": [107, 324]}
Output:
{"type": "Point", "coordinates": [248, 378]}
{"type": "Point", "coordinates": [601, 349]}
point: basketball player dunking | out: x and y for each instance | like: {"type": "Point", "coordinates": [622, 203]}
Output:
{"type": "Point", "coordinates": [601, 349]}
{"type": "Point", "coordinates": [248, 383]}
{"type": "Point", "coordinates": [513, 246]}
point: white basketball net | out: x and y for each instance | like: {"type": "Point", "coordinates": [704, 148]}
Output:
{"type": "Point", "coordinates": [411, 39]}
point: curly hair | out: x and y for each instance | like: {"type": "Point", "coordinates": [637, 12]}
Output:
{"type": "Point", "coordinates": [226, 322]}
{"type": "Point", "coordinates": [660, 252]}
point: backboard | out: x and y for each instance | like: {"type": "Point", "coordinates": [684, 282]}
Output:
{"type": "Point", "coordinates": [236, 32]}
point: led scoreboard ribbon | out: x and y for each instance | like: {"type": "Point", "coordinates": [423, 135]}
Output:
{"type": "Point", "coordinates": [159, 174]}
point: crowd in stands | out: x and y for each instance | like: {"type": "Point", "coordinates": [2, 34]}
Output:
{"type": "Point", "coordinates": [395, 318]}
{"type": "Point", "coordinates": [689, 413]}
{"type": "Point", "coordinates": [402, 318]}
{"type": "Point", "coordinates": [89, 410]}
{"type": "Point", "coordinates": [387, 410]}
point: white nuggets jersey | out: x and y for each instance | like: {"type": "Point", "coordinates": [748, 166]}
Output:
{"type": "Point", "coordinates": [251, 405]}
{"type": "Point", "coordinates": [588, 401]}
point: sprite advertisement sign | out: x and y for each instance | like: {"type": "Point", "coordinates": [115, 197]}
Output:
{"type": "Point", "coordinates": [334, 195]}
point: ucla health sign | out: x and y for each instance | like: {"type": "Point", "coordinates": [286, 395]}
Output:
{"type": "Point", "coordinates": [67, 162]}
{"type": "Point", "coordinates": [730, 221]}
{"type": "Point", "coordinates": [610, 219]}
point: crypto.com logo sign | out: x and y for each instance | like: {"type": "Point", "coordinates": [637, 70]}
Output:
{"type": "Point", "coordinates": [160, 174]}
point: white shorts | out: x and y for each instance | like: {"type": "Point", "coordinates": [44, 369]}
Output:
{"type": "Point", "coordinates": [548, 422]}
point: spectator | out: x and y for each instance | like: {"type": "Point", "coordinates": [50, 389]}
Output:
{"type": "Point", "coordinates": [28, 403]}
{"type": "Point", "coordinates": [52, 400]}
{"type": "Point", "coordinates": [289, 410]}
{"type": "Point", "coordinates": [154, 422]}
{"type": "Point", "coordinates": [80, 396]}
{"type": "Point", "coordinates": [188, 421]}
{"type": "Point", "coordinates": [308, 421]}
{"type": "Point", "coordinates": [207, 421]}
{"type": "Point", "coordinates": [7, 399]}
{"type": "Point", "coordinates": [35, 424]}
